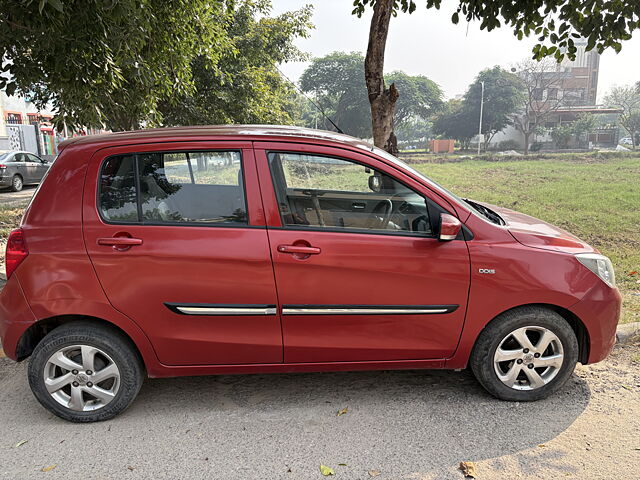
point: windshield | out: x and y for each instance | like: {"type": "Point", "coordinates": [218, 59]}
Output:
{"type": "Point", "coordinates": [406, 166]}
{"type": "Point", "coordinates": [481, 210]}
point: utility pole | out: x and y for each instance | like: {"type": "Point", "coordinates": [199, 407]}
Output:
{"type": "Point", "coordinates": [481, 106]}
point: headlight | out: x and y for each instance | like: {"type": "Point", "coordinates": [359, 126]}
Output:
{"type": "Point", "coordinates": [600, 265]}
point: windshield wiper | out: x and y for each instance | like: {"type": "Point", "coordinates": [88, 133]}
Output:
{"type": "Point", "coordinates": [486, 212]}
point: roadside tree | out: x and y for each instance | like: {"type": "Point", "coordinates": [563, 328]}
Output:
{"type": "Point", "coordinates": [627, 99]}
{"type": "Point", "coordinates": [556, 23]}
{"type": "Point", "coordinates": [502, 98]}
{"type": "Point", "coordinates": [121, 65]}
{"type": "Point", "coordinates": [245, 86]}
{"type": "Point", "coordinates": [541, 82]}
{"type": "Point", "coordinates": [455, 122]}
{"type": "Point", "coordinates": [338, 85]}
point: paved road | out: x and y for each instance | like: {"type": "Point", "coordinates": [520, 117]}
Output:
{"type": "Point", "coordinates": [7, 197]}
{"type": "Point", "coordinates": [407, 425]}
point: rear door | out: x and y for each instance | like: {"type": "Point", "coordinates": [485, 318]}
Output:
{"type": "Point", "coordinates": [177, 236]}
{"type": "Point", "coordinates": [360, 273]}
{"type": "Point", "coordinates": [40, 167]}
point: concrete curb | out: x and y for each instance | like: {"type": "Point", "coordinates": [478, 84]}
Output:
{"type": "Point", "coordinates": [628, 333]}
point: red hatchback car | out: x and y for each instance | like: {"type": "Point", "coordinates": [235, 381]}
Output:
{"type": "Point", "coordinates": [246, 249]}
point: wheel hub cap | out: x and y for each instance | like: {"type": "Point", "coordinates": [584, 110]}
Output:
{"type": "Point", "coordinates": [82, 378]}
{"type": "Point", "coordinates": [528, 358]}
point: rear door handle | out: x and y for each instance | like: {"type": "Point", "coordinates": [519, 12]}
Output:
{"type": "Point", "coordinates": [120, 241]}
{"type": "Point", "coordinates": [299, 249]}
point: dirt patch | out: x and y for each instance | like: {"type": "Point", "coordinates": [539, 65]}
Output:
{"type": "Point", "coordinates": [602, 443]}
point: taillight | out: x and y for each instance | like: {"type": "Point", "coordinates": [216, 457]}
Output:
{"type": "Point", "coordinates": [17, 251]}
{"type": "Point", "coordinates": [3, 166]}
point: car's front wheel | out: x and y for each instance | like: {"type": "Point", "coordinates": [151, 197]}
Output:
{"type": "Point", "coordinates": [83, 372]}
{"type": "Point", "coordinates": [525, 354]}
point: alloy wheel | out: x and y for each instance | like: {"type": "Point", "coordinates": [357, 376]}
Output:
{"type": "Point", "coordinates": [82, 378]}
{"type": "Point", "coordinates": [528, 358]}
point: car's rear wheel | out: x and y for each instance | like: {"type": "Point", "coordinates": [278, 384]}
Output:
{"type": "Point", "coordinates": [83, 372]}
{"type": "Point", "coordinates": [525, 354]}
{"type": "Point", "coordinates": [16, 183]}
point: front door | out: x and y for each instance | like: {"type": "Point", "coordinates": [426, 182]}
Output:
{"type": "Point", "coordinates": [176, 234]}
{"type": "Point", "coordinates": [359, 271]}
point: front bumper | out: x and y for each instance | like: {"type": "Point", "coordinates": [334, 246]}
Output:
{"type": "Point", "coordinates": [15, 316]}
{"type": "Point", "coordinates": [599, 310]}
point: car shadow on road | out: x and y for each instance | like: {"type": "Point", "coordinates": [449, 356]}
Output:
{"type": "Point", "coordinates": [427, 420]}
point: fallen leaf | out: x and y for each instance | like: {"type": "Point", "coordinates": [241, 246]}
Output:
{"type": "Point", "coordinates": [542, 445]}
{"type": "Point", "coordinates": [130, 468]}
{"type": "Point", "coordinates": [374, 473]}
{"type": "Point", "coordinates": [326, 471]}
{"type": "Point", "coordinates": [342, 464]}
{"type": "Point", "coordinates": [343, 411]}
{"type": "Point", "coordinates": [635, 272]}
{"type": "Point", "coordinates": [49, 468]}
{"type": "Point", "coordinates": [627, 387]}
{"type": "Point", "coordinates": [21, 442]}
{"type": "Point", "coordinates": [468, 469]}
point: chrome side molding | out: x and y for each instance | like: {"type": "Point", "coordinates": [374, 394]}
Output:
{"type": "Point", "coordinates": [367, 309]}
{"type": "Point", "coordinates": [220, 309]}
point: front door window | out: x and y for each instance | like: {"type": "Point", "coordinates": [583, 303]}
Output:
{"type": "Point", "coordinates": [335, 194]}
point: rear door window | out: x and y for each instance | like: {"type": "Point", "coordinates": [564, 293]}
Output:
{"type": "Point", "coordinates": [118, 197]}
{"type": "Point", "coordinates": [175, 188]}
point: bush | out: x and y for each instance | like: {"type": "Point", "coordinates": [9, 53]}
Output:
{"type": "Point", "coordinates": [508, 145]}
{"type": "Point", "coordinates": [535, 147]}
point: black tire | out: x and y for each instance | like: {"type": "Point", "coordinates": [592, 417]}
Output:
{"type": "Point", "coordinates": [119, 348]}
{"type": "Point", "coordinates": [482, 356]}
{"type": "Point", "coordinates": [16, 183]}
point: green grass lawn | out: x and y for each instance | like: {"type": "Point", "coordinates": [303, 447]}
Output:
{"type": "Point", "coordinates": [595, 198]}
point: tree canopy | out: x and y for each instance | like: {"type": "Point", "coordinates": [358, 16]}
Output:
{"type": "Point", "coordinates": [338, 85]}
{"type": "Point", "coordinates": [555, 23]}
{"type": "Point", "coordinates": [455, 122]}
{"type": "Point", "coordinates": [245, 86]}
{"type": "Point", "coordinates": [501, 100]}
{"type": "Point", "coordinates": [627, 99]}
{"type": "Point", "coordinates": [115, 64]}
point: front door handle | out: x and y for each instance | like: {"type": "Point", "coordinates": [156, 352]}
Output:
{"type": "Point", "coordinates": [299, 249]}
{"type": "Point", "coordinates": [120, 242]}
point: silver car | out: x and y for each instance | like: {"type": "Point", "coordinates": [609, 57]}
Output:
{"type": "Point", "coordinates": [21, 168]}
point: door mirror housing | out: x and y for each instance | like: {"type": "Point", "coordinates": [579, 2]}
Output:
{"type": "Point", "coordinates": [450, 227]}
{"type": "Point", "coordinates": [375, 183]}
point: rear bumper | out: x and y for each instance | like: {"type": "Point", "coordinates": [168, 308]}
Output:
{"type": "Point", "coordinates": [15, 316]}
{"type": "Point", "coordinates": [599, 310]}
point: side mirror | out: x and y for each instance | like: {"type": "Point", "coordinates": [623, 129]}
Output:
{"type": "Point", "coordinates": [375, 183]}
{"type": "Point", "coordinates": [450, 227]}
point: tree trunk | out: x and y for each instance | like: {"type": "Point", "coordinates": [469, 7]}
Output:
{"type": "Point", "coordinates": [526, 142]}
{"type": "Point", "coordinates": [382, 99]}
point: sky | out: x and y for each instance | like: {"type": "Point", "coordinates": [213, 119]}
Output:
{"type": "Point", "coordinates": [427, 43]}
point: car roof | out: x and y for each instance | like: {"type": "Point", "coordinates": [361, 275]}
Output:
{"type": "Point", "coordinates": [246, 132]}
